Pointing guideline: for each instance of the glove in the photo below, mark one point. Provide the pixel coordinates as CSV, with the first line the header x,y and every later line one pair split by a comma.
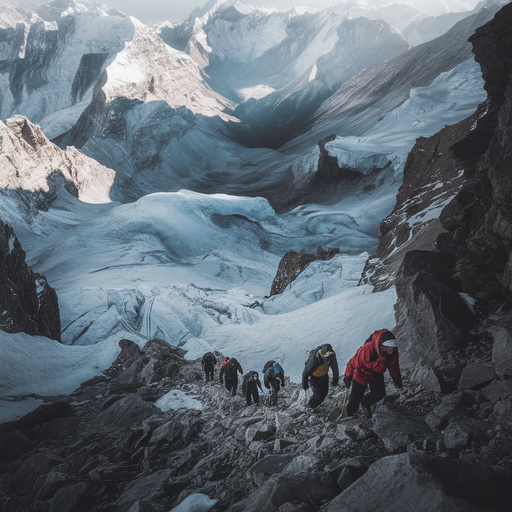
x,y
305,386
347,382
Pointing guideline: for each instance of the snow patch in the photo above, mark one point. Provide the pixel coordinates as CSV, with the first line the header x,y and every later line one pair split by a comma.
x,y
177,399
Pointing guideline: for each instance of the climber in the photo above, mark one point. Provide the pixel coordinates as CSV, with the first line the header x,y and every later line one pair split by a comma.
x,y
208,363
367,367
250,387
230,373
316,373
273,379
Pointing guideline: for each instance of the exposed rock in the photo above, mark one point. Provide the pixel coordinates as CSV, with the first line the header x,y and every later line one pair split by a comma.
x,y
293,263
27,302
421,482
109,445
476,375
434,316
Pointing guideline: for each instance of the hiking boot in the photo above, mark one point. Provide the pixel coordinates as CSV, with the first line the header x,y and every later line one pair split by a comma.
x,y
366,411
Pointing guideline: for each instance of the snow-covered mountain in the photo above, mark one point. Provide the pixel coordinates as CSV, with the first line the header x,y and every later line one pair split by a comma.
x,y
246,51
55,66
36,171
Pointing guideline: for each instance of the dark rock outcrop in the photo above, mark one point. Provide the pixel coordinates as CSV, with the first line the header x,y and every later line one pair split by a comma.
x,y
293,263
27,302
452,272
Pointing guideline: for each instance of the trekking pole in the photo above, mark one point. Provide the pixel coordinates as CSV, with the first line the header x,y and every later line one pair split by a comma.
x,y
344,405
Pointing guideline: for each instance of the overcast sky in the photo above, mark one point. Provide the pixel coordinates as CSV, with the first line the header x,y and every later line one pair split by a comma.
x,y
150,10
161,10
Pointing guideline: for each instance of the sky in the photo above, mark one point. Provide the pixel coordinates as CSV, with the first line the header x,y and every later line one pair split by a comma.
x,y
179,10
151,10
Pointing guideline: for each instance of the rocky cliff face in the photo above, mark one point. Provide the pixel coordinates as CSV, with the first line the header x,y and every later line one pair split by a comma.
x,y
447,244
35,171
293,263
27,302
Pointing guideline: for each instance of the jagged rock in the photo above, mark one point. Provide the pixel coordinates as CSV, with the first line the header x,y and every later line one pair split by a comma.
x,y
293,263
312,488
421,482
450,406
348,472
148,485
396,429
124,412
477,375
14,445
71,498
502,412
460,432
433,317
502,348
262,470
27,302
142,506
498,390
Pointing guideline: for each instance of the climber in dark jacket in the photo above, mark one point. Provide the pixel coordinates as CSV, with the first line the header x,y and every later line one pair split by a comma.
x,y
378,354
316,373
250,387
230,373
273,376
208,362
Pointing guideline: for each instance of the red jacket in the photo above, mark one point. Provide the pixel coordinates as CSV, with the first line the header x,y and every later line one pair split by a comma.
x,y
371,360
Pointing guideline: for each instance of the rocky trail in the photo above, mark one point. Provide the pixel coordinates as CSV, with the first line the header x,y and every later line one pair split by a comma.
x,y
108,446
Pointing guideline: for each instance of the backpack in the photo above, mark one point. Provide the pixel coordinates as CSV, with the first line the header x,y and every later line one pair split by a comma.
x,y
208,357
319,364
268,364
231,368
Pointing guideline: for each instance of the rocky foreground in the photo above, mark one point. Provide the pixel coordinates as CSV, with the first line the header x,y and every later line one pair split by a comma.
x,y
108,447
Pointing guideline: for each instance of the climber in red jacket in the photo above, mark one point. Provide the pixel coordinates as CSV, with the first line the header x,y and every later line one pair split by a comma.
x,y
367,367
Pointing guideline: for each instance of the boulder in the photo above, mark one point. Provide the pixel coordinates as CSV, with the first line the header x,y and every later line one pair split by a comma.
x,y
310,488
422,482
262,470
476,375
396,429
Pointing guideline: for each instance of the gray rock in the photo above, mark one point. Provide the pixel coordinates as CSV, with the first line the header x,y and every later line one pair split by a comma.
x,y
13,445
311,488
396,429
124,413
498,389
147,486
71,498
258,432
449,406
262,470
502,412
476,375
460,432
502,349
420,482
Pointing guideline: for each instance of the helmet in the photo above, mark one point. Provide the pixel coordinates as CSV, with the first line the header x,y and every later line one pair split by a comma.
x,y
329,356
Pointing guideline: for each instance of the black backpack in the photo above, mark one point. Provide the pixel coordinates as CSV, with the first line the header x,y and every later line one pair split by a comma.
x,y
231,368
208,358
268,364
